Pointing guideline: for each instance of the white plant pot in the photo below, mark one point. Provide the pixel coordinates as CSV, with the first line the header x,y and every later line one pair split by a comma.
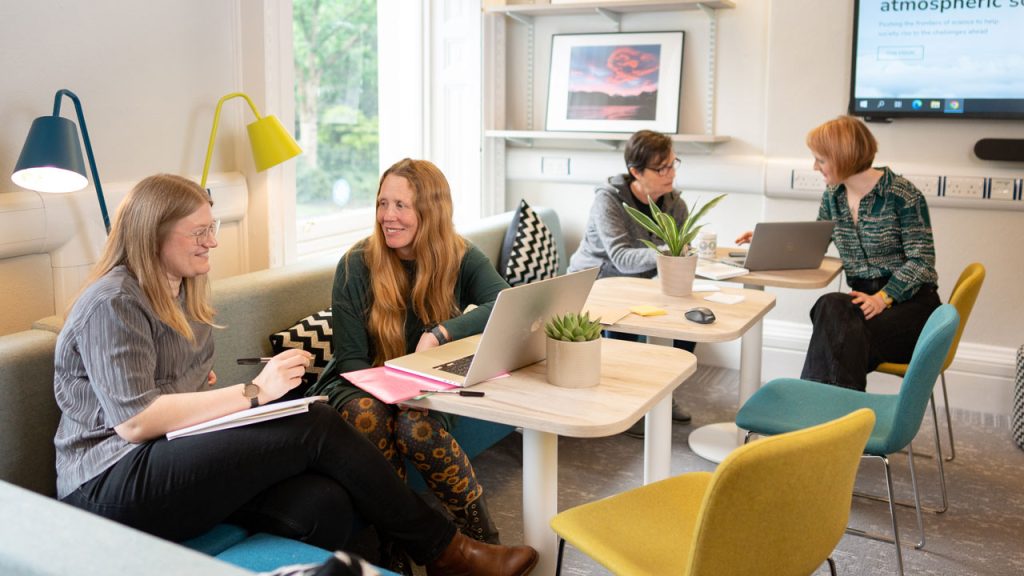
x,y
574,364
676,274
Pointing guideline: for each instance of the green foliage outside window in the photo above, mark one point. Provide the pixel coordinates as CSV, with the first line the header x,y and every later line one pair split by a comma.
x,y
336,116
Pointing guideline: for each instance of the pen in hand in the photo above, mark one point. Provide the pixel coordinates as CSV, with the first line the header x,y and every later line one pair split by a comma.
x,y
244,361
459,392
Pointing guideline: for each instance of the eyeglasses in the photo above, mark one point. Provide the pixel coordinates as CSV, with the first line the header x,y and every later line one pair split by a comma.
x,y
202,234
664,170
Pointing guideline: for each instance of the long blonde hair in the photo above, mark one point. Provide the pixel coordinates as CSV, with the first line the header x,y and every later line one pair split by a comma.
x,y
142,224
438,251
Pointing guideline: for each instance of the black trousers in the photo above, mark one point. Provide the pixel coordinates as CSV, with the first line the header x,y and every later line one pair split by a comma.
x,y
844,346
304,476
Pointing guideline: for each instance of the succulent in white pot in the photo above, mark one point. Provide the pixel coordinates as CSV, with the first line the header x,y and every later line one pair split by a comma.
x,y
573,350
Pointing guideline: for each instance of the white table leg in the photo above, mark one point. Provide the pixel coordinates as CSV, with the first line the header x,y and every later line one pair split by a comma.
x,y
658,433
658,441
715,441
540,496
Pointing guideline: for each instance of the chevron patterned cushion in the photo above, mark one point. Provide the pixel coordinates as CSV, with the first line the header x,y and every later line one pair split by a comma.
x,y
529,251
312,334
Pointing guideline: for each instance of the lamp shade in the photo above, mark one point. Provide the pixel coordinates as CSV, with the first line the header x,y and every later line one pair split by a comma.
x,y
271,143
51,160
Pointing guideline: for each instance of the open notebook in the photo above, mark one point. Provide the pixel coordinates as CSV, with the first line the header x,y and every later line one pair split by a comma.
x,y
250,416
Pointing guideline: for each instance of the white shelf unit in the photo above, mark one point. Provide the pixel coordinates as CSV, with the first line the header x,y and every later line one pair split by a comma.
x,y
497,131
609,139
494,40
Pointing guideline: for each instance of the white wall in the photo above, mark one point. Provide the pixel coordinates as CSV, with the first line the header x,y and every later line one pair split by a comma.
x,y
149,75
783,68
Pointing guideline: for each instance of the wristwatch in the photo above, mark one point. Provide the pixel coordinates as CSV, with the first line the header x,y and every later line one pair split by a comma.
x,y
436,331
886,298
252,392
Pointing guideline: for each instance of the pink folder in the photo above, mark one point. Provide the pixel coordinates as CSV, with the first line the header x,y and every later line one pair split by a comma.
x,y
392,386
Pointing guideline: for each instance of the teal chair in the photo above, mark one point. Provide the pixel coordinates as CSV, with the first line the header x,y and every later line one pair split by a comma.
x,y
788,404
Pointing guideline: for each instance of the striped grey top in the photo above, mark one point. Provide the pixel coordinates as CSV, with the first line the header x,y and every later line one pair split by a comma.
x,y
892,237
114,357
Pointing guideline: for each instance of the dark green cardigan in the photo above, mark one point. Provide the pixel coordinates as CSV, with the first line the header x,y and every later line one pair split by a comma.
x,y
478,283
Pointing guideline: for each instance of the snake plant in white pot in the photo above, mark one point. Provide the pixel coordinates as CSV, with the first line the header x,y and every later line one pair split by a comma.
x,y
677,260
573,350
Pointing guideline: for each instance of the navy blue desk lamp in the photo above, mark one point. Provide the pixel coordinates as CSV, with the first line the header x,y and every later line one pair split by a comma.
x,y
51,160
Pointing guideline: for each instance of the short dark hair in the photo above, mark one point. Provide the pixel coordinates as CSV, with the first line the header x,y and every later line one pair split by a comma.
x,y
646,148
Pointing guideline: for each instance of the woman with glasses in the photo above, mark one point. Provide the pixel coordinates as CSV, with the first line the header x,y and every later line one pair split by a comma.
x,y
133,362
612,240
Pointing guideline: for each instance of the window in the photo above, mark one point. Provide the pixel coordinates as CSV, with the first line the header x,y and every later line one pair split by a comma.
x,y
336,121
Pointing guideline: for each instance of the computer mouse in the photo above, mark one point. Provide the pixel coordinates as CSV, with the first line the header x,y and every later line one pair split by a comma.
x,y
700,315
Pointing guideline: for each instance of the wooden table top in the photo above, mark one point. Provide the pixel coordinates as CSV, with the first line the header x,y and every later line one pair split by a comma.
x,y
807,279
618,294
634,377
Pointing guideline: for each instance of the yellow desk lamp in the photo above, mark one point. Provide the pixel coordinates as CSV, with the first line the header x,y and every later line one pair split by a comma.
x,y
271,143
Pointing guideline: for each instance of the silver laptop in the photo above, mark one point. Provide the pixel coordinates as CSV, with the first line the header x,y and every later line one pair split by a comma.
x,y
513,337
787,245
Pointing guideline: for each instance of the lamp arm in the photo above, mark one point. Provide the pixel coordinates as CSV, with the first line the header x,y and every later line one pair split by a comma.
x,y
216,123
88,149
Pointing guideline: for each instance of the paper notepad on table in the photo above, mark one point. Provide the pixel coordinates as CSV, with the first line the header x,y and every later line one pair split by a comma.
x,y
250,416
719,270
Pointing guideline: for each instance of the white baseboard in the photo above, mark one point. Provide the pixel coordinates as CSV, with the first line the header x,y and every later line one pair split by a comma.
x,y
980,379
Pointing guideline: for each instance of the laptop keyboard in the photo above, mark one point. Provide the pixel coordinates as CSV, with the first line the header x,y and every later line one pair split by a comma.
x,y
459,367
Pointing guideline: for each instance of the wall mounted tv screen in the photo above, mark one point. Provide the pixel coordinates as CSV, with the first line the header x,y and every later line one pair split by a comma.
x,y
938,59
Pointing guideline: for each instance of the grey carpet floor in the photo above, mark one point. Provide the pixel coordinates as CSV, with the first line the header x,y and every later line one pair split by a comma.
x,y
981,534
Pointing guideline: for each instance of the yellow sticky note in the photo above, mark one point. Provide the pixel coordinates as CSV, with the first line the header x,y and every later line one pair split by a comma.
x,y
646,310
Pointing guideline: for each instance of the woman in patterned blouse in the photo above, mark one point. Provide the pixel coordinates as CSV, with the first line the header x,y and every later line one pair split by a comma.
x,y
884,237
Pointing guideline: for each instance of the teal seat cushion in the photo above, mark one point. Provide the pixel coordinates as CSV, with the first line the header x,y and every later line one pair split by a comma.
x,y
217,540
265,552
788,404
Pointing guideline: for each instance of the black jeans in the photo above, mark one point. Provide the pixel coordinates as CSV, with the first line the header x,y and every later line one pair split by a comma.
x,y
302,476
844,346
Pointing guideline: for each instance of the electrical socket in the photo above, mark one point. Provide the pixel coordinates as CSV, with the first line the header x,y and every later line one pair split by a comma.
x,y
554,165
808,180
1001,188
928,185
965,187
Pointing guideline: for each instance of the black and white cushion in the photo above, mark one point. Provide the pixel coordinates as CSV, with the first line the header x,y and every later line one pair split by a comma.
x,y
312,334
529,251
1018,401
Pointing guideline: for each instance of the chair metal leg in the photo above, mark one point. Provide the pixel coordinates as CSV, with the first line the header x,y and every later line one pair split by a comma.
x,y
558,562
949,419
892,514
831,566
917,496
939,459
942,476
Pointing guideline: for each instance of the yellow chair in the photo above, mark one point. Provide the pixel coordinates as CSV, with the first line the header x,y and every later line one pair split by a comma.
x,y
776,506
963,297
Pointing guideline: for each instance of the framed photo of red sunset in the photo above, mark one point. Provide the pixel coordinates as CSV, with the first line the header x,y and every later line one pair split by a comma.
x,y
621,82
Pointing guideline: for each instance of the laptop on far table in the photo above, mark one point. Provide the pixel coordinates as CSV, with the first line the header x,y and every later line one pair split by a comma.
x,y
787,245
513,337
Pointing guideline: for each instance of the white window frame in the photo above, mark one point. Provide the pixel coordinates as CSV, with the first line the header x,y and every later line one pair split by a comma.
x,y
412,100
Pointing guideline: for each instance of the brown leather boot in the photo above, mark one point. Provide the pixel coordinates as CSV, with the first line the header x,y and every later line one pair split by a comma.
x,y
465,556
